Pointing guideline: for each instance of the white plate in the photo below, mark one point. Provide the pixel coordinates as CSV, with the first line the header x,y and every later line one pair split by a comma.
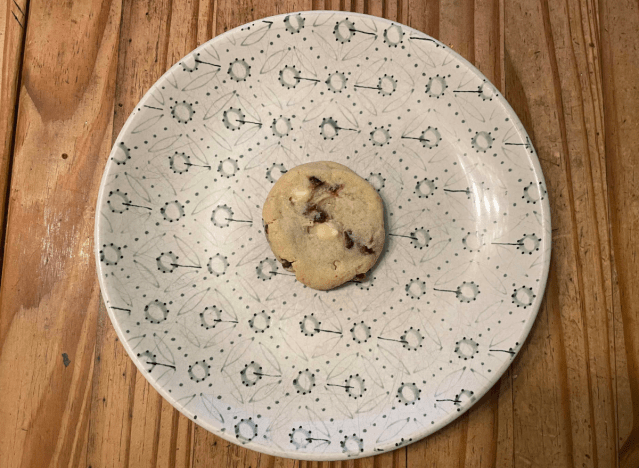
x,y
214,322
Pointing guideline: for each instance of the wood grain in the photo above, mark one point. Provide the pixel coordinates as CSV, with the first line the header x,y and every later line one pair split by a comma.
x,y
13,21
48,296
75,70
619,48
577,310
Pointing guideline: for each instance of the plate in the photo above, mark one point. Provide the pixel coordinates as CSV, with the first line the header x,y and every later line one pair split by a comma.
x,y
221,330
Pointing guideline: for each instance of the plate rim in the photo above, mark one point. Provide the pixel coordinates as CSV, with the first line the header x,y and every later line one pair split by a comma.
x,y
375,449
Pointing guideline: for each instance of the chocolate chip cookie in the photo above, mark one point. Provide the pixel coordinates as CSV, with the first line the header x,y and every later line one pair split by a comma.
x,y
325,224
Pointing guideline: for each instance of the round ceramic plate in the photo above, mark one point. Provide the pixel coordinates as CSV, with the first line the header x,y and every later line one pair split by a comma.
x,y
225,334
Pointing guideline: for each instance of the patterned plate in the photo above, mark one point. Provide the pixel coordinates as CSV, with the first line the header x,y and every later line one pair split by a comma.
x,y
229,337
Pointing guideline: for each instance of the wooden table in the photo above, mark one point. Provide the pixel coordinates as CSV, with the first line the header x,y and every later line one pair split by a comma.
x,y
73,70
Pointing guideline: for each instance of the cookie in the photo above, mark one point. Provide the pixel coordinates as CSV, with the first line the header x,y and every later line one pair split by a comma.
x,y
325,224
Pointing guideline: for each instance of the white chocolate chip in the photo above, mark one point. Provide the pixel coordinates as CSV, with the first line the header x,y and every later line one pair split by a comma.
x,y
325,231
299,195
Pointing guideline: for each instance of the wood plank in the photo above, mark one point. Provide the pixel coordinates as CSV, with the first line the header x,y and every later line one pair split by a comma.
x,y
49,298
542,416
504,452
174,441
374,7
420,14
13,23
558,93
132,425
620,48
488,26
541,419
457,26
112,394
589,179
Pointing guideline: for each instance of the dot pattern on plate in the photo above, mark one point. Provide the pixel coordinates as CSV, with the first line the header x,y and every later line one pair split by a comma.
x,y
225,333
